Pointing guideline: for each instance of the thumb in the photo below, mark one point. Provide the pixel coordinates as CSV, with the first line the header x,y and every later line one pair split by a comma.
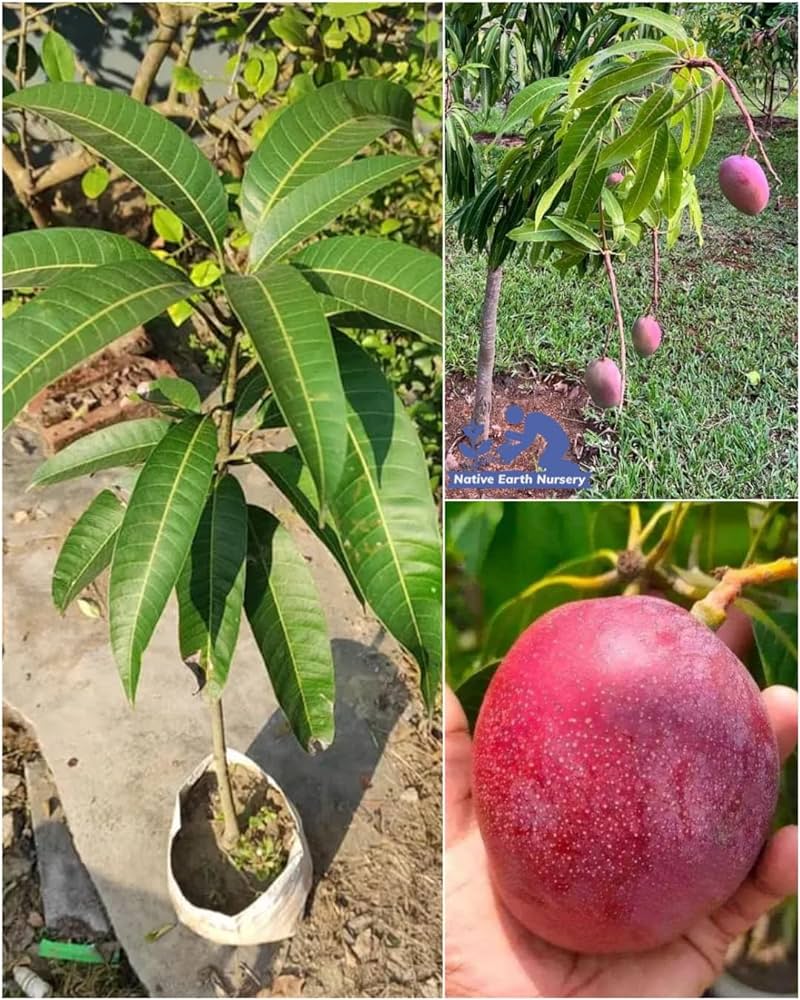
x,y
458,770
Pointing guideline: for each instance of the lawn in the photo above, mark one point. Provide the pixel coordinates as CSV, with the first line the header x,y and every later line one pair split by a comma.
x,y
694,424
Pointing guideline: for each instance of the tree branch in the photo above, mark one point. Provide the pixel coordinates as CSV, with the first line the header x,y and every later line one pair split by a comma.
x,y
169,19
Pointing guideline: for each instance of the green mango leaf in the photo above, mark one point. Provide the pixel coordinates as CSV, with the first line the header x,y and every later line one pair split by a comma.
x,y
173,396
75,318
547,232
775,634
348,9
650,115
292,339
287,472
390,280
673,189
87,549
205,273
187,81
155,537
581,134
704,126
628,46
587,186
128,443
251,389
144,144
210,587
323,130
470,531
289,627
315,204
40,257
533,99
95,181
57,58
627,80
385,516
613,210
648,15
577,231
650,165
545,202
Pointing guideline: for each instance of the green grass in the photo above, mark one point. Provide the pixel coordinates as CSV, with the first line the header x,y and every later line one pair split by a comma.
x,y
693,426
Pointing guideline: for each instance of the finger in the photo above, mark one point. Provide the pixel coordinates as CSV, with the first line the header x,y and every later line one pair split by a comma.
x,y
781,705
458,769
773,878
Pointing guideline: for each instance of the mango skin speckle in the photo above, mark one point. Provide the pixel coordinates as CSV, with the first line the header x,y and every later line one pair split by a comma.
x,y
624,773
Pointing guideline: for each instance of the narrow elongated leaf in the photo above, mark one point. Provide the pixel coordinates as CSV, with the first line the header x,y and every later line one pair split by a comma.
x,y
73,319
292,339
41,257
211,584
704,125
129,443
658,19
57,58
287,472
251,389
310,207
626,80
155,537
532,99
673,188
173,396
142,143
545,202
288,624
581,134
614,211
647,119
527,232
385,515
587,185
87,549
625,47
577,231
649,167
395,282
318,133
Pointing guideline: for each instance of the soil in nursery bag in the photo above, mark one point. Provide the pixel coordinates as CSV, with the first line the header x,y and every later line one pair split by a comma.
x,y
216,879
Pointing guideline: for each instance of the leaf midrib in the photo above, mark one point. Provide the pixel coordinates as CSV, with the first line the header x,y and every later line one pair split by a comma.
x,y
123,139
157,539
304,156
77,330
375,281
298,372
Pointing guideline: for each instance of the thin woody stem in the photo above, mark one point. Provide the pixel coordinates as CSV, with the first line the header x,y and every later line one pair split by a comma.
x,y
707,63
618,314
656,272
712,609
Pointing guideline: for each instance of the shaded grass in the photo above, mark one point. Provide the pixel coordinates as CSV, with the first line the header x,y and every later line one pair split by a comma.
x,y
693,425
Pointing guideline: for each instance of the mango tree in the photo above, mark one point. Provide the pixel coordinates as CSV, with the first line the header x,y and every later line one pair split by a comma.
x,y
356,473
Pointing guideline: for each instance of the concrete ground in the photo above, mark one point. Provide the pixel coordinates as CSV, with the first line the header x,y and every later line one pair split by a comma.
x,y
117,769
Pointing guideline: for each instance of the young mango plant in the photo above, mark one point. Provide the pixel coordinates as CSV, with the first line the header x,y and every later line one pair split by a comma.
x,y
357,474
609,158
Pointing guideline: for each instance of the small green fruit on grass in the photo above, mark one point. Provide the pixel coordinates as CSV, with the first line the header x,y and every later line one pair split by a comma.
x,y
603,382
625,774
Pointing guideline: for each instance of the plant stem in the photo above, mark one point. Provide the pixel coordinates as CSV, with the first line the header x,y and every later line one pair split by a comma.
x,y
228,394
620,325
712,609
231,825
665,543
482,408
656,272
707,63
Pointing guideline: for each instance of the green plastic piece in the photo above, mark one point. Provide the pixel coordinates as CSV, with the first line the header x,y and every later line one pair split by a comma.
x,y
66,951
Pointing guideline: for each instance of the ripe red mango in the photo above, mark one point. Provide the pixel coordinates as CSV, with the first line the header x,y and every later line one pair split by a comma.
x,y
625,774
603,382
744,184
646,335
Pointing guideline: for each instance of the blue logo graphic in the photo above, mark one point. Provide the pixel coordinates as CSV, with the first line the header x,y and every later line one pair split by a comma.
x,y
552,471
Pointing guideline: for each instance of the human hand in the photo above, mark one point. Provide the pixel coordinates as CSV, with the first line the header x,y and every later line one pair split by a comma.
x,y
489,954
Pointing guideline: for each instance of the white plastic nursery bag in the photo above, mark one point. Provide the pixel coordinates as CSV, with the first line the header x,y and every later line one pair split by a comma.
x,y
277,913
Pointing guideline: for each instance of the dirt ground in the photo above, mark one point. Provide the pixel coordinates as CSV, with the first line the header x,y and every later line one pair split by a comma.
x,y
23,914
560,396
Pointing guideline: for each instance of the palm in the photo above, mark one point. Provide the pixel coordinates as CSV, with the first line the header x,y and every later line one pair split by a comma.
x,y
489,954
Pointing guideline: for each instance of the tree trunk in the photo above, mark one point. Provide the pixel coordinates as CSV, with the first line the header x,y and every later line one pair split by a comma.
x,y
231,829
482,410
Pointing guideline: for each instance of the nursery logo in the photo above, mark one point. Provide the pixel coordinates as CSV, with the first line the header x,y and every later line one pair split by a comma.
x,y
552,471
